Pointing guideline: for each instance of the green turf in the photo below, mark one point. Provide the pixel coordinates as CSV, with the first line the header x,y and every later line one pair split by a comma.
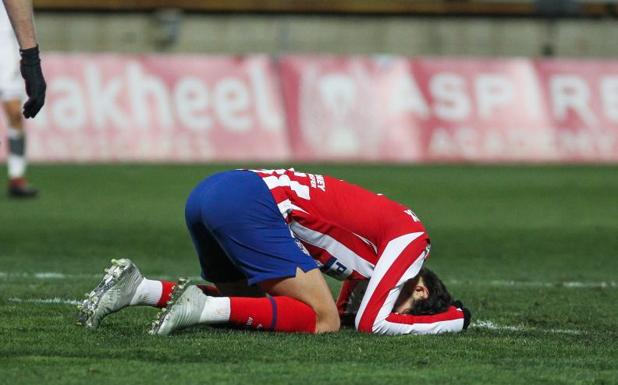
x,y
531,225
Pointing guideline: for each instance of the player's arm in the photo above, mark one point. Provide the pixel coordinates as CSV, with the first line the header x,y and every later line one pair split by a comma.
x,y
400,261
349,299
20,14
452,320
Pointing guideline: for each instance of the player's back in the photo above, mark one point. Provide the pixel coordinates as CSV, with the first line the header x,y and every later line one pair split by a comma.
x,y
325,212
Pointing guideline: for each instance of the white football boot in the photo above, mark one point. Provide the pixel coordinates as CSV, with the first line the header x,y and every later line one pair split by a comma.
x,y
182,310
113,293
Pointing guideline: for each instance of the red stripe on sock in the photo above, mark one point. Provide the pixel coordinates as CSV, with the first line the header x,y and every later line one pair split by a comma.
x,y
282,314
166,294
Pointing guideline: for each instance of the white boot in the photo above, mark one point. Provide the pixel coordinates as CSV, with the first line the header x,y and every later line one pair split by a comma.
x,y
113,293
183,309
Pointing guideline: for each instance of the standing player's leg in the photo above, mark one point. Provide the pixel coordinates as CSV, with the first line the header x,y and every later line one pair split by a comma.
x,y
11,93
16,160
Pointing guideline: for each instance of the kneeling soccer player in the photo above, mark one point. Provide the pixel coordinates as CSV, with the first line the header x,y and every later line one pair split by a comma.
x,y
263,237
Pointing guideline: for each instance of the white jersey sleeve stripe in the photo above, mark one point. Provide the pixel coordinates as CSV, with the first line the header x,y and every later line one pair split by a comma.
x,y
285,207
380,325
387,308
415,267
392,250
344,255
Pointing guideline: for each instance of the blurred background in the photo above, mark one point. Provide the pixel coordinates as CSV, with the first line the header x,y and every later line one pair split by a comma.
x,y
350,80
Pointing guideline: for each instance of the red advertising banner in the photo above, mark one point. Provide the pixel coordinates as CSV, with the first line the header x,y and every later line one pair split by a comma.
x,y
159,108
103,107
478,110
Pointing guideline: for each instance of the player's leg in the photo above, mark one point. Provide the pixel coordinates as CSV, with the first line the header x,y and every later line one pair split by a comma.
x,y
123,285
252,233
16,159
12,93
284,311
311,289
190,306
302,303
261,245
255,237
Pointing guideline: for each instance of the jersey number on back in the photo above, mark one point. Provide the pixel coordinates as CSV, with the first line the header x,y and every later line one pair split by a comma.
x,y
280,178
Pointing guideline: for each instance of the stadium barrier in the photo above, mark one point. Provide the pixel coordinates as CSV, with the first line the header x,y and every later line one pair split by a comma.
x,y
184,108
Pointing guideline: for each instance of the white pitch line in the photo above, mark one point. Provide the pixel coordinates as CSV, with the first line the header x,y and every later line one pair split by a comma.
x,y
564,284
49,275
46,275
46,301
484,324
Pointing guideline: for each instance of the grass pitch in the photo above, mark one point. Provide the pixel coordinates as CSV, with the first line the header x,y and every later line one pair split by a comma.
x,y
533,251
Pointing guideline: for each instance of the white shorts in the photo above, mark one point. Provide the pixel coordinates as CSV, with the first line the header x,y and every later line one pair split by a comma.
x,y
11,82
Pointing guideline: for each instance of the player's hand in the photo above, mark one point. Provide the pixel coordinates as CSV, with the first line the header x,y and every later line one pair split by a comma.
x,y
30,67
466,311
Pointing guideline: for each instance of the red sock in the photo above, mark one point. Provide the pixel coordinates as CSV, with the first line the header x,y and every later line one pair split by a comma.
x,y
210,290
281,314
166,294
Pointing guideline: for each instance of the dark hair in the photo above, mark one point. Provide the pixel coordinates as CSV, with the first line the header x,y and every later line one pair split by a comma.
x,y
439,298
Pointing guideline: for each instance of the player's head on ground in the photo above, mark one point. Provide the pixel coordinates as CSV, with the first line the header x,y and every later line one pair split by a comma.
x,y
423,294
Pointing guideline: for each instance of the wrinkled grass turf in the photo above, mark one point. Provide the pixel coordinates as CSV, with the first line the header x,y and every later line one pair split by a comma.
x,y
526,224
